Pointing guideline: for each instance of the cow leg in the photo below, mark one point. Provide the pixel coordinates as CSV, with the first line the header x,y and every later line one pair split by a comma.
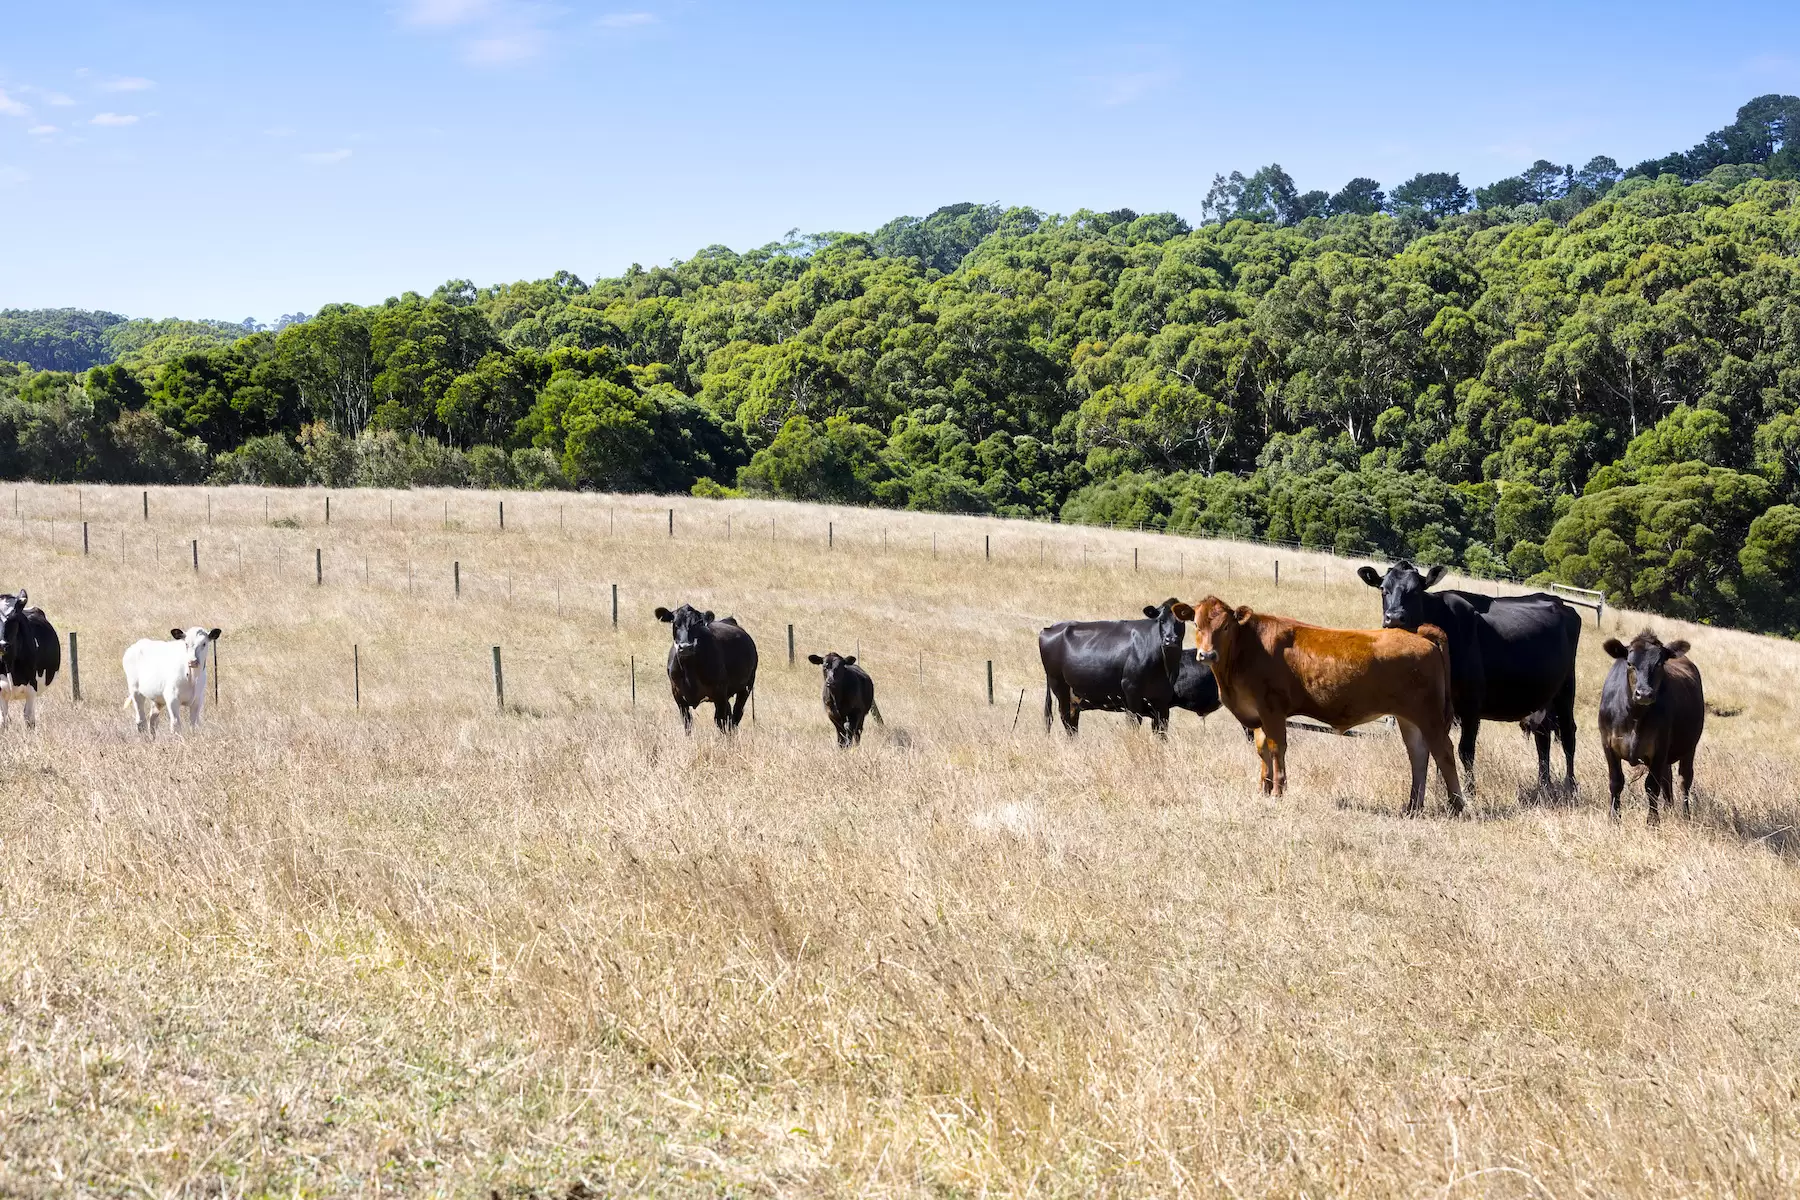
x,y
738,706
1565,730
156,710
5,716
1465,746
1542,738
137,707
1418,750
856,728
31,708
1687,786
687,716
1159,723
1067,708
1271,747
194,707
1656,786
1615,779
1446,763
722,714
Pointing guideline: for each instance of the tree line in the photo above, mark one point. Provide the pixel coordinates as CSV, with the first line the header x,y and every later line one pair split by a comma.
x,y
1589,375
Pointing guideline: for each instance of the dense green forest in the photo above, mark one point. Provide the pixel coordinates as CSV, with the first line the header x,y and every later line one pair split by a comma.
x,y
1584,374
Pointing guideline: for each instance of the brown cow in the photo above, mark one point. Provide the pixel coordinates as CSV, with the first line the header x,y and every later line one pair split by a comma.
x,y
1272,668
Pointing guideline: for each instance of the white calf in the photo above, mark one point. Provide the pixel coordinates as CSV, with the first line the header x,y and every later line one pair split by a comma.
x,y
163,676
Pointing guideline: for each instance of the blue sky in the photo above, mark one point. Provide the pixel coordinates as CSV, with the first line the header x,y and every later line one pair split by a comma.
x,y
233,160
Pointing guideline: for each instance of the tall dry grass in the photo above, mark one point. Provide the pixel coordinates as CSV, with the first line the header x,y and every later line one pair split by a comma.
x,y
427,946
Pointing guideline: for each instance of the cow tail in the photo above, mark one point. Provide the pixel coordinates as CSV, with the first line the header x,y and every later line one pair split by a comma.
x,y
875,711
1441,640
1046,702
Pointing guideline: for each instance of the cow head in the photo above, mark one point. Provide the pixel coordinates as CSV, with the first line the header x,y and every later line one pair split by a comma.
x,y
1644,660
693,628
12,625
832,663
196,640
1170,617
1216,627
1403,591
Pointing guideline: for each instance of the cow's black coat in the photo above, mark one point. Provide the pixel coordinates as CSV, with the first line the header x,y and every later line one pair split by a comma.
x,y
30,651
1652,712
1512,658
1115,666
849,695
710,660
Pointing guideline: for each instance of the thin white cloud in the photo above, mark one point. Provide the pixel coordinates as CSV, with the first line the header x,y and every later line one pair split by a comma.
x,y
504,49
12,108
627,20
114,119
128,83
446,14
491,33
325,158
57,99
43,130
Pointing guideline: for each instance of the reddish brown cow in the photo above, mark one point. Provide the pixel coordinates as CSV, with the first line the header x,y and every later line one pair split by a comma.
x,y
1272,668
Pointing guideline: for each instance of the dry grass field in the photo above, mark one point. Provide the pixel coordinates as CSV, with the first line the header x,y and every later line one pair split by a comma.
x,y
426,946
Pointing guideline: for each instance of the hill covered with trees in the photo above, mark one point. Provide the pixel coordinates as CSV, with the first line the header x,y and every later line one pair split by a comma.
x,y
1590,375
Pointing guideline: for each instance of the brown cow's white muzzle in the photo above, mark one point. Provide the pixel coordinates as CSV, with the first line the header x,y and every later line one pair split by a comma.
x,y
1206,656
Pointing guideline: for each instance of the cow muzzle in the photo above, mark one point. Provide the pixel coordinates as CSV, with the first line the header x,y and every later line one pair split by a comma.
x,y
1206,656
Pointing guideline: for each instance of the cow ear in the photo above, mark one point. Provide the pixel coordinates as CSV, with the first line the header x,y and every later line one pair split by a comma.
x,y
1676,649
1436,573
707,616
1614,647
1183,612
663,614
213,635
850,661
1151,610
815,660
178,634
1369,575
1243,613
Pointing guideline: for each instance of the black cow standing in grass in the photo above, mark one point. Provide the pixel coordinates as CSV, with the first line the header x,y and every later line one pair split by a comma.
x,y
849,695
711,660
1652,712
1512,658
1195,688
30,654
1115,666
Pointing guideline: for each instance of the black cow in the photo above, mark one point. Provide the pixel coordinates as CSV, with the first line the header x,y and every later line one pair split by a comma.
x,y
1195,688
30,654
849,695
710,660
1512,658
1652,711
1115,666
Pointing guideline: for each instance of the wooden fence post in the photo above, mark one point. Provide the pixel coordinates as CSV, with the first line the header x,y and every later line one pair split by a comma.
x,y
146,504
196,545
990,663
1278,572
318,567
328,508
456,576
75,664
503,516
356,673
671,522
84,540
615,606
634,681
499,681
790,645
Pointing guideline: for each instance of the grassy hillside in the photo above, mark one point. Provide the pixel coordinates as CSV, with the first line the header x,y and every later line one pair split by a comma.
x,y
429,946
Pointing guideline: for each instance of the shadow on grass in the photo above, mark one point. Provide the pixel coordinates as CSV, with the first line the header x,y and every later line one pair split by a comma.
x,y
1775,827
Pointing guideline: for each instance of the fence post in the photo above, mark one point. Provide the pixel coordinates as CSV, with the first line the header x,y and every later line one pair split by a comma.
x,y
146,503
196,545
1278,572
671,522
356,672
1134,558
84,542
503,516
318,567
499,681
456,575
790,645
830,535
990,663
634,681
215,672
987,546
615,606
75,664
328,509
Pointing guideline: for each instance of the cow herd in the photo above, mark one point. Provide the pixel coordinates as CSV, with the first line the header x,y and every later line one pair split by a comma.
x,y
1441,660
159,676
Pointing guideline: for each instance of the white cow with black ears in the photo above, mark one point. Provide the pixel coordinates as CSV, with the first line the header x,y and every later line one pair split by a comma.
x,y
163,676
